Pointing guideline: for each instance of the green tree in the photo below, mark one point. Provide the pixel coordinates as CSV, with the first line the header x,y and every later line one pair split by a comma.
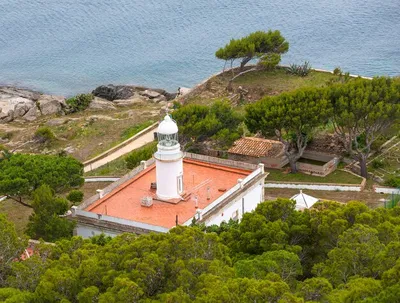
x,y
79,102
292,117
199,123
21,174
266,46
45,222
357,254
75,196
11,247
362,110
315,289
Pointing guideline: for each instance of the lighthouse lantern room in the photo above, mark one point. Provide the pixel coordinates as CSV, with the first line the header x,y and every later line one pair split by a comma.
x,y
169,161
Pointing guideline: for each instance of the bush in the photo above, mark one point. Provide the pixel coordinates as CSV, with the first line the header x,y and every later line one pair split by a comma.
x,y
393,181
75,196
143,153
44,135
299,70
381,163
79,102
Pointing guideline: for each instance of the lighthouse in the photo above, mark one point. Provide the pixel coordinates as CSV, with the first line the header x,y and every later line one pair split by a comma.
x,y
169,161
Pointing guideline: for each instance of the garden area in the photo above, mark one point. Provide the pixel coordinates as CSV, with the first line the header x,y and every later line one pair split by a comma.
x,y
338,176
386,166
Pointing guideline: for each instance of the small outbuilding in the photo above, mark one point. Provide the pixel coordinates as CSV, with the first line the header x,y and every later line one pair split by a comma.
x,y
304,201
258,150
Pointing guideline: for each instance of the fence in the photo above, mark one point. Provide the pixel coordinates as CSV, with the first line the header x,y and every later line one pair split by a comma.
x,y
224,162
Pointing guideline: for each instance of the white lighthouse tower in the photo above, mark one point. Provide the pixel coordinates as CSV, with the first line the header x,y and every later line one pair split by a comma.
x,y
169,163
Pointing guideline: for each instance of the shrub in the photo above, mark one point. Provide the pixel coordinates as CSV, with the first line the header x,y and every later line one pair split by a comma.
x,y
393,181
337,71
299,70
79,102
75,196
143,153
44,135
381,163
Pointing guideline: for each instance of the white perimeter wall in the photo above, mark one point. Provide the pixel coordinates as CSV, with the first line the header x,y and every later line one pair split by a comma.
x,y
90,231
250,200
314,186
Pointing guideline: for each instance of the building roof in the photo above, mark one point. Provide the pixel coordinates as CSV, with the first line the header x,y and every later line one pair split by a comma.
x,y
257,147
303,200
125,201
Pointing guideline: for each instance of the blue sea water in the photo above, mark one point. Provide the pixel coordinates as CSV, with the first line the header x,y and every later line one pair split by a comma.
x,y
72,46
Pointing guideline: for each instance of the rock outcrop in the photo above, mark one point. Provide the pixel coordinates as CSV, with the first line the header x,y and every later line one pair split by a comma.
x,y
122,92
17,103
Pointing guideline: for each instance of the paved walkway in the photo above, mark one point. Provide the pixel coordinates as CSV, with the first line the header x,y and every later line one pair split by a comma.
x,y
137,143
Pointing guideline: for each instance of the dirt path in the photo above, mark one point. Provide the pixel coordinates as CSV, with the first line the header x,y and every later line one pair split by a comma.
x,y
139,142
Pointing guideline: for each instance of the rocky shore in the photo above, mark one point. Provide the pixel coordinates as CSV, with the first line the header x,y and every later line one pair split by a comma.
x,y
24,104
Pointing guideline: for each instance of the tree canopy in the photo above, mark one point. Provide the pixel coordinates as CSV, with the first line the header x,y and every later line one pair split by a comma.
x,y
291,117
45,222
21,174
362,110
332,253
198,123
266,46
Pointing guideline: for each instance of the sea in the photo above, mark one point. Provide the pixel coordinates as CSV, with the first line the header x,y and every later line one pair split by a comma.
x,y
71,46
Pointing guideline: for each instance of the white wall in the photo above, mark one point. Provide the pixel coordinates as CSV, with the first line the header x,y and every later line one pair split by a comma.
x,y
246,202
387,190
314,186
87,232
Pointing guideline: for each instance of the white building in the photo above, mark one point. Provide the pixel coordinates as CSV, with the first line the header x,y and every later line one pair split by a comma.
x,y
171,189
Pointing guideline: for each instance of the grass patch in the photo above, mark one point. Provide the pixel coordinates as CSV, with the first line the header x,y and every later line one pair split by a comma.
x,y
279,80
338,176
16,213
134,129
115,168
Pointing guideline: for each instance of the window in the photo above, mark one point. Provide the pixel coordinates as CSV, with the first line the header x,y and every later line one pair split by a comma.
x,y
180,184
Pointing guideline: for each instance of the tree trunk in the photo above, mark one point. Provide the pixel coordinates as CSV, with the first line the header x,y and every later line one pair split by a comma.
x,y
362,160
20,201
244,62
293,167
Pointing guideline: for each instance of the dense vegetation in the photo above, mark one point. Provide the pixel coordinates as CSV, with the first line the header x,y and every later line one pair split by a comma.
x,y
332,253
360,111
79,102
134,158
201,123
21,174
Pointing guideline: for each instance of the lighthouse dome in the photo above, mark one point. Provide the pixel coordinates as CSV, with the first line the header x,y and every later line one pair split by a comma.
x,y
167,126
167,132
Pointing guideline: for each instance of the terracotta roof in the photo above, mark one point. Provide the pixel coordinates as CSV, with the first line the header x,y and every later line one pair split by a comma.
x,y
257,147
125,201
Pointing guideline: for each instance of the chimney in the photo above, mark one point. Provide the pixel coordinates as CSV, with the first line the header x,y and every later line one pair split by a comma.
x,y
208,193
100,192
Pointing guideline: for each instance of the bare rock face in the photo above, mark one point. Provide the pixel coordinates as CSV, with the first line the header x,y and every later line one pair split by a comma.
x,y
98,103
122,92
50,105
16,103
112,92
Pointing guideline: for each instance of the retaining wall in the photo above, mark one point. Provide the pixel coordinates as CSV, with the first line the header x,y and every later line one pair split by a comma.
x,y
386,190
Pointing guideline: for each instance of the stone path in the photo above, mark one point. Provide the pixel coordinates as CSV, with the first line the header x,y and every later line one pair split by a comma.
x,y
137,143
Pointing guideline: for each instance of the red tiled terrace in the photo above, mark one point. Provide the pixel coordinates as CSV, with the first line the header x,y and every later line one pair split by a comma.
x,y
125,201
